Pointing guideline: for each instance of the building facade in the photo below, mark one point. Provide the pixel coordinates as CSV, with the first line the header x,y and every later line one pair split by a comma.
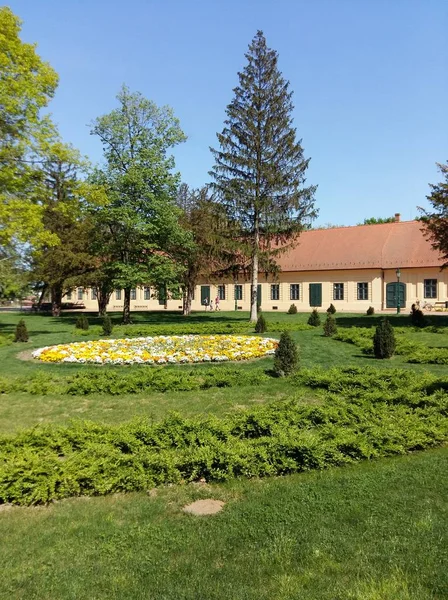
x,y
353,268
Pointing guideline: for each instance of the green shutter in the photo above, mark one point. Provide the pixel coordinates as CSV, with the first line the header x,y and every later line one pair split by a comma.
x,y
392,290
315,294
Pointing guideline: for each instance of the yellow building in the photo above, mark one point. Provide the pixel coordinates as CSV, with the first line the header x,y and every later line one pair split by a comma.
x,y
351,267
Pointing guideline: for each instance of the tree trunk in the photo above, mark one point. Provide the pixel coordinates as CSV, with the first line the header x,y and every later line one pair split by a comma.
x,y
188,297
127,306
103,300
42,295
56,299
254,277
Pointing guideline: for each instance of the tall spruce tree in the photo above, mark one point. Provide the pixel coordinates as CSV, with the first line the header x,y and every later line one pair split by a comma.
x,y
259,171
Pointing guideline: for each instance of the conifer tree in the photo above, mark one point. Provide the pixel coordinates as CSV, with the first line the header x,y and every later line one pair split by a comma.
x,y
259,170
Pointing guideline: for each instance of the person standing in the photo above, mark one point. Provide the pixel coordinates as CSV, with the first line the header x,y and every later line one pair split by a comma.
x,y
217,303
211,305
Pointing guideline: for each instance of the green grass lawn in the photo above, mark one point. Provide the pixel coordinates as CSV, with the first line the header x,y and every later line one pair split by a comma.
x,y
376,531
24,410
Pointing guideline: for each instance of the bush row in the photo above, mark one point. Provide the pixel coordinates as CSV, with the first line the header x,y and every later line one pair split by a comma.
x,y
122,380
235,327
355,420
6,340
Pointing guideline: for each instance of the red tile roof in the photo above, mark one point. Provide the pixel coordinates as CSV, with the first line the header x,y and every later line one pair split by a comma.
x,y
382,246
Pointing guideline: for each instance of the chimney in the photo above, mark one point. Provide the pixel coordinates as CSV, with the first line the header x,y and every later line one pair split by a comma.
x,y
397,217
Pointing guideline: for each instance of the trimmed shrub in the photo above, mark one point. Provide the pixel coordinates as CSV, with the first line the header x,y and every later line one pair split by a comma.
x,y
107,325
82,322
292,310
21,333
286,359
417,317
384,340
330,326
261,325
314,318
331,309
362,415
370,311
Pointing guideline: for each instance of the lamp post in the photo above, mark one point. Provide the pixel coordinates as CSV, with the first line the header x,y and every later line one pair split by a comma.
x,y
398,274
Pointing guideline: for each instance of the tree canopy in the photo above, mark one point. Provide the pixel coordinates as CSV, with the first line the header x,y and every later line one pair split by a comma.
x,y
27,84
259,170
436,219
140,223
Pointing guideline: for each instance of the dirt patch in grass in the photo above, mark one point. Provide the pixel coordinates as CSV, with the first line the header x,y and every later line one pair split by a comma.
x,y
25,355
204,507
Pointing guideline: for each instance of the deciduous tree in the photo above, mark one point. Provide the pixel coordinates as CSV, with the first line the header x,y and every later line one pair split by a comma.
x,y
212,251
27,84
141,219
436,220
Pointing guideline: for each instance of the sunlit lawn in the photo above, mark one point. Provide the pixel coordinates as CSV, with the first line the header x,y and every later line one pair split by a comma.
x,y
376,531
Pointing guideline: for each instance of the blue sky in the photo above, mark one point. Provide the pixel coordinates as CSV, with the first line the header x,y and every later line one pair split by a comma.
x,y
370,81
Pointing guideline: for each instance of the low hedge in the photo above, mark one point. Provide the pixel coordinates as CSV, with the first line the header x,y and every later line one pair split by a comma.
x,y
130,380
363,414
218,328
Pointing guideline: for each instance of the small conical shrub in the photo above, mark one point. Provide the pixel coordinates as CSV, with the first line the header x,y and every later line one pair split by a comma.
x,y
384,340
107,325
331,309
21,333
286,359
370,311
261,326
314,318
330,326
292,310
417,317
82,322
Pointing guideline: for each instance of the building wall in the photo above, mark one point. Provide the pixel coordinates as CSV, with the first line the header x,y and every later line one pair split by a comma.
x,y
376,280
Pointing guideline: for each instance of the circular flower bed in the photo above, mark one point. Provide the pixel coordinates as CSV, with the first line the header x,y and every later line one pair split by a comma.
x,y
160,350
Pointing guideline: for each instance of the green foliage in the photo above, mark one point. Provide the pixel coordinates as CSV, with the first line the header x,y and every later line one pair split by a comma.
x,y
139,228
384,340
330,326
331,309
27,84
260,168
292,310
370,311
210,328
21,333
436,219
82,322
107,327
286,360
314,318
261,325
362,414
6,340
131,381
377,221
417,317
